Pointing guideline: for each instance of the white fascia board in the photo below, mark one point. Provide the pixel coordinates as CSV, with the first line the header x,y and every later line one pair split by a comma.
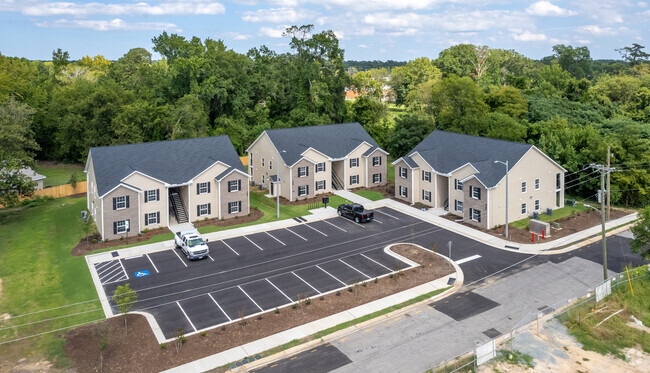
x,y
425,161
458,168
271,141
88,161
376,149
405,162
474,176
319,152
234,170
119,185
352,151
143,174
300,159
202,172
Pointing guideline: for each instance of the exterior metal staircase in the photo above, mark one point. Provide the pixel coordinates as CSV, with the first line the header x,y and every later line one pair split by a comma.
x,y
337,184
178,207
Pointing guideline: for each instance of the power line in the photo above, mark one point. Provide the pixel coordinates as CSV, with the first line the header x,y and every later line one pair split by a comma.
x,y
50,319
580,183
55,308
48,332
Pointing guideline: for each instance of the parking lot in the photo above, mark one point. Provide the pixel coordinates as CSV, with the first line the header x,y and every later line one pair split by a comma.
x,y
258,272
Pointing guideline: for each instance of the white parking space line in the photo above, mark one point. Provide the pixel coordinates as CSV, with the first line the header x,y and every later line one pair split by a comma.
x,y
106,274
256,245
341,260
125,274
106,281
278,289
111,268
309,226
389,270
188,319
210,257
377,221
389,215
283,244
102,265
179,257
331,275
249,297
465,260
215,302
133,257
154,266
296,234
335,226
233,250
308,284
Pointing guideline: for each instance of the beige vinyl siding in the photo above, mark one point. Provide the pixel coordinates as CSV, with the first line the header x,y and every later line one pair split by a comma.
x,y
454,194
226,197
420,184
399,181
442,190
533,165
208,176
264,148
305,180
94,202
130,213
381,169
477,204
360,170
326,176
145,183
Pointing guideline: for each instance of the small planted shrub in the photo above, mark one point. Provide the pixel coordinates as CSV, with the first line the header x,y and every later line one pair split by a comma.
x,y
350,289
277,311
204,333
338,293
308,301
293,306
259,318
321,298
376,280
163,346
94,240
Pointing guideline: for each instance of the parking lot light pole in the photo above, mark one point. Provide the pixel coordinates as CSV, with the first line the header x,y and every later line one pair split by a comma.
x,y
506,163
277,182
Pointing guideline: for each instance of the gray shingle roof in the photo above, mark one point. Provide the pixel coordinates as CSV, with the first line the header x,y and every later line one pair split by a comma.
x,y
173,161
333,140
447,151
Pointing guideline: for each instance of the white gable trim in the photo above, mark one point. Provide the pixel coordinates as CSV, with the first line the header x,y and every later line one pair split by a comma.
x,y
231,171
319,152
300,159
510,168
271,141
376,149
127,186
544,154
202,172
143,174
468,163
474,176
425,161
405,162
353,150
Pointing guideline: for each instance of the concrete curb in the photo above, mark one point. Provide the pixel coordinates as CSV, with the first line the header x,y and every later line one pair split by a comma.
x,y
306,330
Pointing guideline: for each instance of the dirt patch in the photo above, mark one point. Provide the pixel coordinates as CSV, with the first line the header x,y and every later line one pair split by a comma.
x,y
568,225
25,365
388,190
84,247
3,316
138,351
254,215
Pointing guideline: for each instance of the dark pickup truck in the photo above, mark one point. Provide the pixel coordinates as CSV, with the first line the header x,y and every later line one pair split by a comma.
x,y
355,212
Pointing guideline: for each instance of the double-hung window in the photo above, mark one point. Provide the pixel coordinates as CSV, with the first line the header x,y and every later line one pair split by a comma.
x,y
403,173
376,161
426,176
474,192
152,218
376,178
403,191
234,185
524,187
475,215
262,162
354,179
426,195
536,205
120,226
459,206
536,184
120,202
524,209
354,162
203,188
270,164
303,190
458,185
320,185
204,209
234,207
320,167
303,171
151,195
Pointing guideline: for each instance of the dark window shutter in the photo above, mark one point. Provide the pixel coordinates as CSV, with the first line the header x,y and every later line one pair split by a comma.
x,y
157,194
128,221
239,184
158,217
306,170
239,205
229,189
423,194
479,216
146,196
209,208
307,189
209,186
479,193
324,166
146,219
471,192
197,188
229,209
114,226
114,203
198,210
127,202
406,192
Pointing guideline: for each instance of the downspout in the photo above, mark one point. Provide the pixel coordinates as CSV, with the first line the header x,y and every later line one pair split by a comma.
x,y
139,215
412,187
219,198
290,183
435,187
487,208
367,172
101,200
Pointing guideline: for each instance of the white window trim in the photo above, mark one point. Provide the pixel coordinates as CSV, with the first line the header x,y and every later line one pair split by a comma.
x,y
117,203
149,197
425,192
538,184
270,164
262,161
458,185
302,187
378,163
472,215
355,161
236,188
234,210
524,187
319,183
402,188
355,178
118,226
149,217
524,208
374,179
300,174
472,192
457,203
201,213
403,173
428,176
319,168
203,188
537,205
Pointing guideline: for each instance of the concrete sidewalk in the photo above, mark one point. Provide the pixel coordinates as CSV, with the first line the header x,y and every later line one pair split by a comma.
x,y
352,197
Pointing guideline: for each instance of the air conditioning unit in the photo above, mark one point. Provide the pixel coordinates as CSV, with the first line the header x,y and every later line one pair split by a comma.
x,y
536,215
549,212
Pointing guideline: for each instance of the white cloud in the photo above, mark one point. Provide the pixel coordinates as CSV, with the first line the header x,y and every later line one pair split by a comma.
x,y
389,20
339,34
546,8
273,32
278,15
235,36
583,41
529,36
186,7
642,4
596,30
109,25
362,46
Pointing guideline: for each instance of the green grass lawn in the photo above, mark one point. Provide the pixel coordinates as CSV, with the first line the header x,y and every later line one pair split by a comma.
x,y
59,174
557,214
38,273
373,196
391,170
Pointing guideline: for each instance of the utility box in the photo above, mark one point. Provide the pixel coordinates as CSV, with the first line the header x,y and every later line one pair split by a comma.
x,y
549,212
326,200
540,228
535,215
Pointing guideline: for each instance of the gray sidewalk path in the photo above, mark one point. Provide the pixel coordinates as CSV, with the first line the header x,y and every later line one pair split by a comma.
x,y
352,197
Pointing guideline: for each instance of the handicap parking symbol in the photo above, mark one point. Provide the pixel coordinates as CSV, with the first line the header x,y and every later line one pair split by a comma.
x,y
141,273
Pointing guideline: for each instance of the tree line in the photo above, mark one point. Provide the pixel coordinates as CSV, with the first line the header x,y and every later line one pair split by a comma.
x,y
569,106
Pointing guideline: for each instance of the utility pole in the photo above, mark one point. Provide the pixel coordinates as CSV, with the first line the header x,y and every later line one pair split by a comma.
x,y
604,193
609,196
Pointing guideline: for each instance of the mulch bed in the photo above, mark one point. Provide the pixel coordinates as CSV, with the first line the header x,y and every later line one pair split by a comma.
x,y
138,350
568,225
254,215
319,198
388,190
83,248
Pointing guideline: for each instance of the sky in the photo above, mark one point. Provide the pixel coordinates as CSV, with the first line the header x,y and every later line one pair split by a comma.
x,y
398,30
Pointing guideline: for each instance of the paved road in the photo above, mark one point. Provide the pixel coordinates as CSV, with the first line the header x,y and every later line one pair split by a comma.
x,y
484,309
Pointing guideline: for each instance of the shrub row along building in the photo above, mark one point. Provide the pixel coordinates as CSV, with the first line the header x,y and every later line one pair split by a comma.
x,y
136,187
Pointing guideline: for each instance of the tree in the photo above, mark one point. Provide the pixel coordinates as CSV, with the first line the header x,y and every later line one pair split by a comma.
x,y
480,61
458,105
456,60
409,130
17,147
190,119
508,100
577,61
88,227
405,78
124,298
102,336
634,54
641,231
60,60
